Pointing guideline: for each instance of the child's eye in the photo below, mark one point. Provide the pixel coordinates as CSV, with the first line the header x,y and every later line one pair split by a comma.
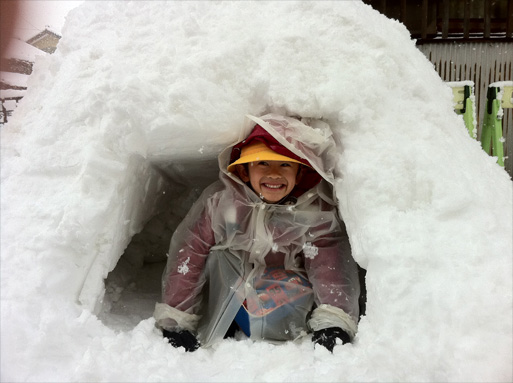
x,y
264,163
285,164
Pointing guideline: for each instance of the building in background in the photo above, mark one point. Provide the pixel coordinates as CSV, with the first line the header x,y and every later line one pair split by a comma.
x,y
17,66
46,41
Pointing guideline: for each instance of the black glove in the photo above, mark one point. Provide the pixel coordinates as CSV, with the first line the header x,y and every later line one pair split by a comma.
x,y
182,338
327,337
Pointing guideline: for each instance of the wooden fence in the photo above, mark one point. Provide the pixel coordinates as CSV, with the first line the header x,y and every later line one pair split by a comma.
x,y
462,20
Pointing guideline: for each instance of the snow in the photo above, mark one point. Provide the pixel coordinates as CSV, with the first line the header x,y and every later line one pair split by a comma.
x,y
310,250
14,79
8,93
460,83
501,84
23,51
119,132
183,268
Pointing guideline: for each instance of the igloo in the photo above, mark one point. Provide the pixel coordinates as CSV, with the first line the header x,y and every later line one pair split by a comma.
x,y
120,130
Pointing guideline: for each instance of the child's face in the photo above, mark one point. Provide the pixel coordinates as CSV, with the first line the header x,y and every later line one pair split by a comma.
x,y
272,180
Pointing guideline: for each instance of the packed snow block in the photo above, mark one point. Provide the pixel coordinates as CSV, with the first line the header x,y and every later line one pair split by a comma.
x,y
130,193
139,99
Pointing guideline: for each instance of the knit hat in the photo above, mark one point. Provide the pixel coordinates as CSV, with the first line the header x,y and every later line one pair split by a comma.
x,y
258,151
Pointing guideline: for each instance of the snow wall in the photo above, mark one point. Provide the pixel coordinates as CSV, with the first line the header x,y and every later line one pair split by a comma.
x,y
125,122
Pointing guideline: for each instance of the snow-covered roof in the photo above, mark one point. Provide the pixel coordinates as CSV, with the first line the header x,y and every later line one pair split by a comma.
x,y
42,35
21,50
12,93
15,79
10,105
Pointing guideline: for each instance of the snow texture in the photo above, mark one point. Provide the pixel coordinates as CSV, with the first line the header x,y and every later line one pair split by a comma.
x,y
310,250
119,132
183,268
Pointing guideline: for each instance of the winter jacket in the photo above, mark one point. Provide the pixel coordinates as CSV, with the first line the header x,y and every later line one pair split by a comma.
x,y
233,248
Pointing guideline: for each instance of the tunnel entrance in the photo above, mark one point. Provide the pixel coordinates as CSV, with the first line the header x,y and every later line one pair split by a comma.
x,y
134,286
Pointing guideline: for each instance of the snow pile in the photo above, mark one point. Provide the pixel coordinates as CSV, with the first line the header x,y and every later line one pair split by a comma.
x,y
120,129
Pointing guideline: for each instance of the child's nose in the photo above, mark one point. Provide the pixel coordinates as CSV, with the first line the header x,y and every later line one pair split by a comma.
x,y
274,171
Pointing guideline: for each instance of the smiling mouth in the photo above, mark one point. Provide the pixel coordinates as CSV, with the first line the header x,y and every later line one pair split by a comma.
x,y
274,187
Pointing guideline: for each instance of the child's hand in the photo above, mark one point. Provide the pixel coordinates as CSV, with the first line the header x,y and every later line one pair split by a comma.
x,y
327,337
182,338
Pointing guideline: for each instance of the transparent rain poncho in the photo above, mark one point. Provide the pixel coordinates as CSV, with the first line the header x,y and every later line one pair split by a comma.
x,y
288,264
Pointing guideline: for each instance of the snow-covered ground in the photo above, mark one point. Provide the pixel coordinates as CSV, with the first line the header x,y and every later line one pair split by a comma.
x,y
119,131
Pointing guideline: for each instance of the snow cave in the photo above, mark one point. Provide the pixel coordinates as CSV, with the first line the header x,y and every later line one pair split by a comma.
x,y
119,133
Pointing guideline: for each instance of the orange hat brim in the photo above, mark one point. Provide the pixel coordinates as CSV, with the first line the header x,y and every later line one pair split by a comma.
x,y
258,151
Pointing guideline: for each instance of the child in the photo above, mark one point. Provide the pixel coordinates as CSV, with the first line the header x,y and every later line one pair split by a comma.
x,y
263,247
